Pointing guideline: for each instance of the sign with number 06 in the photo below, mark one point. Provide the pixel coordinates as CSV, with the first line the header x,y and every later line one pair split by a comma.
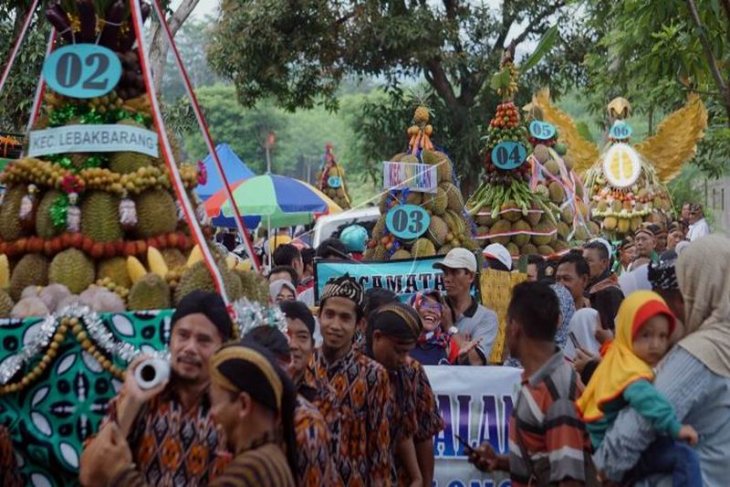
x,y
407,221
620,130
509,155
82,70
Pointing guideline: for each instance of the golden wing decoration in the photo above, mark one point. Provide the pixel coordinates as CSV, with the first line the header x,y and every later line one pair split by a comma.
x,y
583,152
675,141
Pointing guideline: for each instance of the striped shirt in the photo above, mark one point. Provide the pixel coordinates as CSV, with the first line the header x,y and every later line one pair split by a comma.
x,y
546,424
264,466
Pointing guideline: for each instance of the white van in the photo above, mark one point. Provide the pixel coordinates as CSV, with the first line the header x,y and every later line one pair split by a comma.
x,y
328,225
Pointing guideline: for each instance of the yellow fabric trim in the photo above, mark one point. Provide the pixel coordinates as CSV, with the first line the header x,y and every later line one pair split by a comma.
x,y
249,355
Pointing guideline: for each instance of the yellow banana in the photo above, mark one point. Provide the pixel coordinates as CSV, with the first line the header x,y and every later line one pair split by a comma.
x,y
156,262
4,271
196,255
135,269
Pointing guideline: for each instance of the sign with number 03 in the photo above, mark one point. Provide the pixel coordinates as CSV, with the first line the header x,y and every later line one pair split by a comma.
x,y
508,155
542,130
82,70
407,221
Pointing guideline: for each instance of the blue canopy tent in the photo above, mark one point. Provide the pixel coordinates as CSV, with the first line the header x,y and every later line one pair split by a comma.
x,y
235,170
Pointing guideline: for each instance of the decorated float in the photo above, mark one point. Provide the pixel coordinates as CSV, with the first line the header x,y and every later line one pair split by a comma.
x,y
626,184
331,179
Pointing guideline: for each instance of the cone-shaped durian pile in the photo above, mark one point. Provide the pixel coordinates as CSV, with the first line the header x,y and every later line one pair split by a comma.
x,y
506,209
449,226
331,180
100,219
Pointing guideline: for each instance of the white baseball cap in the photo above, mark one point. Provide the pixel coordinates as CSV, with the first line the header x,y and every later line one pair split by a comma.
x,y
458,258
498,252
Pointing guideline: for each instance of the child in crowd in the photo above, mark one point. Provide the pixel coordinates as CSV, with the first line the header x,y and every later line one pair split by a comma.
x,y
624,378
435,346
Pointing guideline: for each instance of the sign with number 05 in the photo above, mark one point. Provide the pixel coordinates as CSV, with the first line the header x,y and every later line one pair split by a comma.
x,y
509,155
542,130
407,221
82,70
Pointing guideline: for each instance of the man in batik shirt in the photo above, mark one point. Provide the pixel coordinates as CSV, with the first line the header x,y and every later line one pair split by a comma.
x,y
360,409
169,429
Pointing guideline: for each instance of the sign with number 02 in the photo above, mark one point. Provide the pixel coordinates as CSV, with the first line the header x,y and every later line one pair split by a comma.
x,y
542,130
509,155
82,70
407,222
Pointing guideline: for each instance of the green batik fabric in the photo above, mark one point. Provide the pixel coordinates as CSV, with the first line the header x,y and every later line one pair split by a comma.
x,y
50,419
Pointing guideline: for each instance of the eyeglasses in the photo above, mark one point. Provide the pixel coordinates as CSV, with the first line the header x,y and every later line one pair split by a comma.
x,y
431,306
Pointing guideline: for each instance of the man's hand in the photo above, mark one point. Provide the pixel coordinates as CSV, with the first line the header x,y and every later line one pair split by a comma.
x,y
689,434
105,457
581,359
485,458
131,390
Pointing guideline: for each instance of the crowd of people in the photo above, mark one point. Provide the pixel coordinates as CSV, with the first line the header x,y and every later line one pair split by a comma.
x,y
625,355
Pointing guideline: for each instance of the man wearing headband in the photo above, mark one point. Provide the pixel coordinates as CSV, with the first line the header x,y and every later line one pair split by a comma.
x,y
391,335
603,291
253,406
626,254
698,226
174,416
359,411
645,244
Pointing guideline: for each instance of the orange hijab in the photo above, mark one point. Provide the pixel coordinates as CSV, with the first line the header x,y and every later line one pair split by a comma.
x,y
620,367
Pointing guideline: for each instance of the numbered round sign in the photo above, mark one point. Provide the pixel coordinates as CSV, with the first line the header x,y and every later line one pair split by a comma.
x,y
542,130
334,182
509,155
407,221
82,70
620,130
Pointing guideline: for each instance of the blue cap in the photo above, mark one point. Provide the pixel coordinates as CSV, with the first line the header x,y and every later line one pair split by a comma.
x,y
354,237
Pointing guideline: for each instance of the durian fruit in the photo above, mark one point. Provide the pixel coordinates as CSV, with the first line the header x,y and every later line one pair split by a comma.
x,y
150,292
129,162
560,246
512,249
436,202
414,198
534,216
383,204
253,286
557,193
44,226
567,214
4,272
437,231
593,228
10,228
512,211
545,250
379,253
453,195
581,234
541,153
400,254
610,223
156,213
552,167
423,247
624,225
528,249
173,258
635,223
115,269
523,238
100,217
6,304
563,230
539,240
31,270
444,250
198,277
73,269
500,226
484,218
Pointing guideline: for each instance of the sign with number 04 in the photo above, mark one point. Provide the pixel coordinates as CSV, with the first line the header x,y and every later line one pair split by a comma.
x,y
407,221
509,155
82,70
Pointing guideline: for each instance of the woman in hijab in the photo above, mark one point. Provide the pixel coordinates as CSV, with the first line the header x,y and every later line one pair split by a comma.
x,y
567,310
282,290
434,346
694,376
583,329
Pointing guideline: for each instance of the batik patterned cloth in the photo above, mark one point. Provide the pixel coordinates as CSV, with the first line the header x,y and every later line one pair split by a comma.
x,y
172,446
315,466
358,416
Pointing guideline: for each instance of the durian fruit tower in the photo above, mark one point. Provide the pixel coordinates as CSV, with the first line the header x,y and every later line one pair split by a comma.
x,y
87,219
553,177
624,188
505,209
331,179
450,225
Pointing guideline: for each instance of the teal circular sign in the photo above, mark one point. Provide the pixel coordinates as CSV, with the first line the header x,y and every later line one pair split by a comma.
x,y
407,222
542,130
620,130
82,70
334,182
509,155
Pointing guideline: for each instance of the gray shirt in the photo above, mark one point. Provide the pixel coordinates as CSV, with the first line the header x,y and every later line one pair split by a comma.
x,y
478,322
700,398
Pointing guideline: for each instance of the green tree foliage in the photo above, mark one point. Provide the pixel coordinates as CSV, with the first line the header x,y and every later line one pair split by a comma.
x,y
299,52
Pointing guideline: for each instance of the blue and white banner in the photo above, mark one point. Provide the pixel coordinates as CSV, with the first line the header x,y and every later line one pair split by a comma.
x,y
476,404
404,277
92,138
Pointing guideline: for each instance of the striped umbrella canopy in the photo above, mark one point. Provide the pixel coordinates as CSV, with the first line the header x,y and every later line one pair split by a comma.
x,y
278,200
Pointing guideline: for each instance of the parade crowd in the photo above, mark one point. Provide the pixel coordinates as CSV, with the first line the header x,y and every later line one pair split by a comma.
x,y
626,375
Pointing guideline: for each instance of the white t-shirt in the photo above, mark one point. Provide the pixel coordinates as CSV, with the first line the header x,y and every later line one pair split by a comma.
x,y
698,229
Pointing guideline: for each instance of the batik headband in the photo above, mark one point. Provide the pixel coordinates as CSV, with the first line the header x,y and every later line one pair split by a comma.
x,y
344,287
245,357
663,275
410,319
